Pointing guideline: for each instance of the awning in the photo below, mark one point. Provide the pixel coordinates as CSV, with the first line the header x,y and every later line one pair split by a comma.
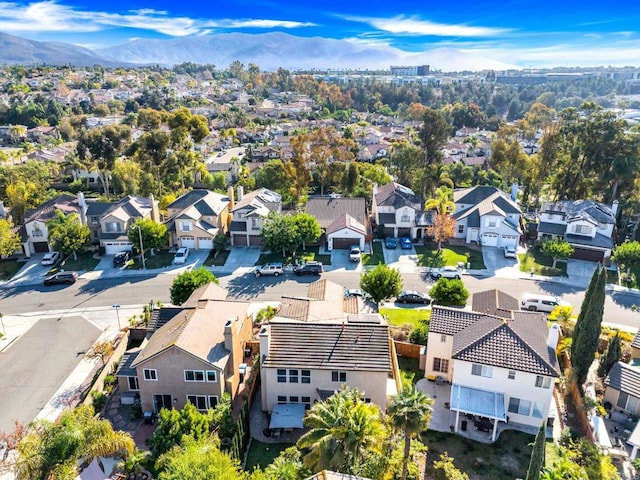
x,y
600,431
478,402
287,415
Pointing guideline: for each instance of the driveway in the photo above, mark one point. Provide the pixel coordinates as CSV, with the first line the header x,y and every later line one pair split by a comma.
x,y
33,272
499,266
406,261
340,261
580,270
243,258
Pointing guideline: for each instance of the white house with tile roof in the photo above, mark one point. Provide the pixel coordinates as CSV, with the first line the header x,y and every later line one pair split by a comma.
x,y
248,214
400,212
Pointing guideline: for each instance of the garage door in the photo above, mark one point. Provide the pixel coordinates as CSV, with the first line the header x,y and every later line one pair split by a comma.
x,y
586,254
490,239
189,242
205,243
509,241
388,231
40,247
255,241
111,248
239,240
344,243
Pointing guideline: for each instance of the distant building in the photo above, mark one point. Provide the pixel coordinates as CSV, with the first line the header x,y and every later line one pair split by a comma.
x,y
410,71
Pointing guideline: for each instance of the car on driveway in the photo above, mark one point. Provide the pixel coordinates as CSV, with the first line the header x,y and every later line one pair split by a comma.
x,y
61,277
51,258
309,268
390,242
121,258
181,255
354,253
510,252
445,272
274,269
356,292
411,296
406,243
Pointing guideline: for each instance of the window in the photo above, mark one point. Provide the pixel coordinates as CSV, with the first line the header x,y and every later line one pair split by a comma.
x,y
282,399
441,365
213,401
481,370
519,406
294,399
582,229
133,383
460,228
95,220
627,402
194,376
92,180
338,376
255,223
492,223
443,338
212,376
306,376
307,402
282,375
511,375
185,226
543,382
293,376
150,374
198,401
538,408
113,227
404,218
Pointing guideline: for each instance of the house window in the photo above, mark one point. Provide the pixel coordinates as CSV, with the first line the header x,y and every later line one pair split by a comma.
x,y
511,375
481,370
213,401
212,376
194,376
582,229
306,376
133,383
150,374
282,375
113,227
519,406
198,401
282,399
441,365
92,180
543,382
307,402
443,338
294,399
492,223
538,409
95,220
255,223
404,218
460,228
293,376
185,226
627,402
338,376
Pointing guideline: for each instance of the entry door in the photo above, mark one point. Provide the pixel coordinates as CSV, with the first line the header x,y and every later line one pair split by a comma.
x,y
162,401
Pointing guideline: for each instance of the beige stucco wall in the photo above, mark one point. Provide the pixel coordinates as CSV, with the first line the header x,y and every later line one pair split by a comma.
x,y
438,349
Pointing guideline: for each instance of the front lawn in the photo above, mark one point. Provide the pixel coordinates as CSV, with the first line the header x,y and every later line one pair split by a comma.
x,y
8,268
308,255
263,454
428,256
410,371
161,258
402,316
84,263
541,263
375,257
217,259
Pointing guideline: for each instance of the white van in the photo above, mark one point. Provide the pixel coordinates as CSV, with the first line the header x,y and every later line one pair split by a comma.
x,y
541,303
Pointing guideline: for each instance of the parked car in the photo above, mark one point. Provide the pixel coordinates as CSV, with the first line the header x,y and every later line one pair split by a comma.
x,y
446,272
274,269
356,292
541,303
354,253
181,255
390,242
510,252
406,243
121,258
61,277
411,296
51,258
309,268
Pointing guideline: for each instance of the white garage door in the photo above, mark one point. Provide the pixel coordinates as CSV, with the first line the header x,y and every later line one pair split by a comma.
x,y
509,241
490,239
189,242
111,248
205,243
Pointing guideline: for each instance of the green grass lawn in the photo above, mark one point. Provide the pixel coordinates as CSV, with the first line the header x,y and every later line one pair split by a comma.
x,y
410,371
508,457
8,268
541,263
375,257
308,255
162,258
217,260
263,454
402,316
84,262
449,256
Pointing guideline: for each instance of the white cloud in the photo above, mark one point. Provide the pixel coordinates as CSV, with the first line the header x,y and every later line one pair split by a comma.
x,y
414,26
251,23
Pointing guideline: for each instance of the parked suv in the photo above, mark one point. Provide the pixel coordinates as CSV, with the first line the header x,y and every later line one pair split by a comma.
x,y
309,268
121,258
354,253
51,258
61,277
181,255
274,269
541,303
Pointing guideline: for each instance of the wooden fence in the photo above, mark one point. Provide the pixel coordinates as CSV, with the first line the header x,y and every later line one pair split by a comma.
x,y
409,350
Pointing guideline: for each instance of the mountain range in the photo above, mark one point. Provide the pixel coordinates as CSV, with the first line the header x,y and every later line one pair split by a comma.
x,y
267,50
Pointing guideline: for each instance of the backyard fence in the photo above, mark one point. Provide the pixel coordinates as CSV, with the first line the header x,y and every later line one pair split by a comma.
x,y
409,350
240,440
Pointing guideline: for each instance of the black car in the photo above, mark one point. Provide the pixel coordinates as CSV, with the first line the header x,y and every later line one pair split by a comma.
x,y
414,297
121,258
61,277
309,268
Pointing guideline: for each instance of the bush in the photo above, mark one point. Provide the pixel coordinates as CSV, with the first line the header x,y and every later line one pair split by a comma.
x,y
419,333
99,400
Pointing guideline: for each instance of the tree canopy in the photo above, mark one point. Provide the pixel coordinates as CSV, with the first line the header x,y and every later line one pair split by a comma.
x,y
382,283
449,292
187,282
66,233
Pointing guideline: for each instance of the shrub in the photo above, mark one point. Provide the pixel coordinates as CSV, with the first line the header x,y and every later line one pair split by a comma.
x,y
99,400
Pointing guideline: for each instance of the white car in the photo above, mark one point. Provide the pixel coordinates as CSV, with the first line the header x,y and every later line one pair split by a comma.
x,y
181,255
51,258
446,272
510,252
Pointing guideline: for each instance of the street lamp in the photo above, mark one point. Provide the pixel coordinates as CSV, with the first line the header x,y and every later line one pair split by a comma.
x,y
116,306
144,265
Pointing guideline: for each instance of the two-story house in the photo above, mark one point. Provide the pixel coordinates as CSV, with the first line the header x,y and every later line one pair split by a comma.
x,y
486,215
342,220
197,217
110,221
400,212
194,357
500,361
586,224
248,214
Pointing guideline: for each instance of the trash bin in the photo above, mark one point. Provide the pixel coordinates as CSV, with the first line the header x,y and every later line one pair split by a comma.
x,y
463,425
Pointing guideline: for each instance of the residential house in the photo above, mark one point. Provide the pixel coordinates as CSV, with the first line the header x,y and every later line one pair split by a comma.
x,y
197,217
263,154
399,212
194,357
586,224
486,215
110,221
501,361
343,220
42,133
34,233
248,215
622,387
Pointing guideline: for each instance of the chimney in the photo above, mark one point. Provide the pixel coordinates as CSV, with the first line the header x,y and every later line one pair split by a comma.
x,y
155,214
514,191
554,336
228,335
614,207
231,199
240,192
375,188
82,204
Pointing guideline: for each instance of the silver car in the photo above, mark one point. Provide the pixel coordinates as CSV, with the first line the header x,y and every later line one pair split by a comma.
x,y
445,272
274,269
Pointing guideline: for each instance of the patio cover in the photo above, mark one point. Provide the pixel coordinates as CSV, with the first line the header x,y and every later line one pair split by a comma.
x,y
287,415
478,402
93,472
600,431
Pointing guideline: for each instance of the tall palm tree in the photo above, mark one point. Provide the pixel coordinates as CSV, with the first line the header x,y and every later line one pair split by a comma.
x,y
343,429
410,412
442,201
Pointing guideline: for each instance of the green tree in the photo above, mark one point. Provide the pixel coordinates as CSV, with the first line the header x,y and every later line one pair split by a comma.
x,y
101,350
66,233
404,163
628,255
446,470
187,282
308,228
287,466
558,249
434,134
343,430
9,240
537,455
449,292
382,283
442,201
272,175
55,450
154,234
410,413
280,233
21,195
613,355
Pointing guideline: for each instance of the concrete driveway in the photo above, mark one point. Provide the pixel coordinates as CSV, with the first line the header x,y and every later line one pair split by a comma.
x,y
33,272
340,261
242,258
580,270
404,260
499,266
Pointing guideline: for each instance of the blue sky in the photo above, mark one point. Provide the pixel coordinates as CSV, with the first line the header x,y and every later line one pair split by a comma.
x,y
525,33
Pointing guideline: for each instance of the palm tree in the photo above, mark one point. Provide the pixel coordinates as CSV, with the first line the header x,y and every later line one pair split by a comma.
x,y
410,412
343,429
442,201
